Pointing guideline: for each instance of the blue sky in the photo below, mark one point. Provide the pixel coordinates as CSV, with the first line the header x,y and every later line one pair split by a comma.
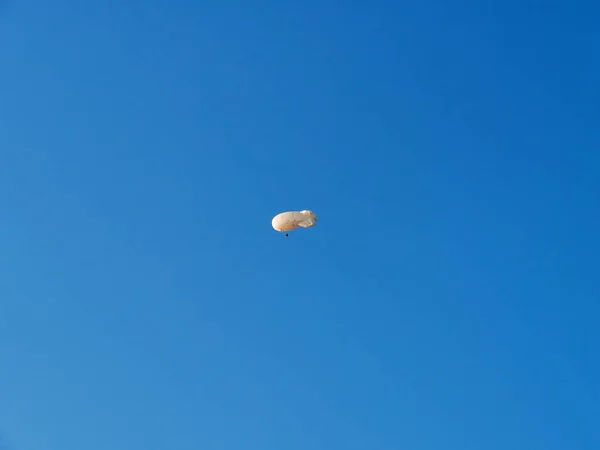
x,y
447,299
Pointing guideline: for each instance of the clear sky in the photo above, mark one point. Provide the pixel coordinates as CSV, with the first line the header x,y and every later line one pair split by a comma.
x,y
447,299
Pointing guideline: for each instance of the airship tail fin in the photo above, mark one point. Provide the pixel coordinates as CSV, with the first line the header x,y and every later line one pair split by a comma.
x,y
307,223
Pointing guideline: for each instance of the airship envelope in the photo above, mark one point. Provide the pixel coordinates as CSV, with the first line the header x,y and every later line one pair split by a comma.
x,y
290,220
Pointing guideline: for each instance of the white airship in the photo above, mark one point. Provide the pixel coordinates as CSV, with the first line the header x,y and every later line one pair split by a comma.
x,y
290,220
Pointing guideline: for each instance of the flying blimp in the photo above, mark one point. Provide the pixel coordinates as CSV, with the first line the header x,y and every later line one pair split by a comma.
x,y
290,220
